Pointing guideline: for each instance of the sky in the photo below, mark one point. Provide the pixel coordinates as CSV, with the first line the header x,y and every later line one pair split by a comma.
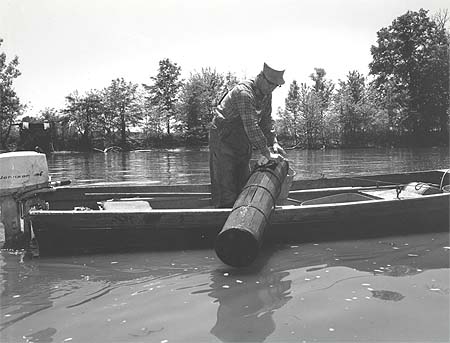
x,y
68,45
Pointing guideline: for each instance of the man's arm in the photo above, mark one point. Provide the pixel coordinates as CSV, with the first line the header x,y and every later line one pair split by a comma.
x,y
247,111
267,125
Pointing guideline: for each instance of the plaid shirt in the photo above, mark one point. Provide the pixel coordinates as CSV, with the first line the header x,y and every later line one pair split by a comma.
x,y
255,111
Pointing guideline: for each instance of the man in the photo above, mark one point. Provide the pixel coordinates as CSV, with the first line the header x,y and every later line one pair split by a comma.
x,y
242,120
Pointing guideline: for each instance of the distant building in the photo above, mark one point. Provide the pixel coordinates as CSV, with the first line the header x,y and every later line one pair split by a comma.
x,y
36,135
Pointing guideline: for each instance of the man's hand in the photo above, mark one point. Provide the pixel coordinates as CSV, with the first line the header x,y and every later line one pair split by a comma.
x,y
274,156
279,150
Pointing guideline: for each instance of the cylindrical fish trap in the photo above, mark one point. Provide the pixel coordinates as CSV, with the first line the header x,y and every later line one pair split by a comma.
x,y
239,241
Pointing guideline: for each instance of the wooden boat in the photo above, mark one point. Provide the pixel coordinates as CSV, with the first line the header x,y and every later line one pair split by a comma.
x,y
113,216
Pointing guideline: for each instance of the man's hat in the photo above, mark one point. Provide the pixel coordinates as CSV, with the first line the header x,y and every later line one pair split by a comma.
x,y
274,76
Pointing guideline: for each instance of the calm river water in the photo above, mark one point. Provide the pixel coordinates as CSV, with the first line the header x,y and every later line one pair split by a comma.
x,y
385,289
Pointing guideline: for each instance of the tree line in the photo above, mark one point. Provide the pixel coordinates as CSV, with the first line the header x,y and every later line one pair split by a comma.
x,y
403,101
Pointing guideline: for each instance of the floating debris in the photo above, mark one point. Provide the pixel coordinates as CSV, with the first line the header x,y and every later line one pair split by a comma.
x,y
447,248
401,270
225,286
68,339
413,255
331,329
239,281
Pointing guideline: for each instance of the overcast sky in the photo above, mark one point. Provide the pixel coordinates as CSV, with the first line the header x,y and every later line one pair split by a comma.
x,y
68,45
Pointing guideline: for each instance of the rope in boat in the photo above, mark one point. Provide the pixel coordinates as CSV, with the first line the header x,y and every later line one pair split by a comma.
x,y
441,184
399,186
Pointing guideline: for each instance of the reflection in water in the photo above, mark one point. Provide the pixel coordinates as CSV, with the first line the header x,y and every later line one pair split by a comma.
x,y
297,293
247,303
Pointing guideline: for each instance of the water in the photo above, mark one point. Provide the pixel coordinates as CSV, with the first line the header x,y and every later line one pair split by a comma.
x,y
191,166
384,289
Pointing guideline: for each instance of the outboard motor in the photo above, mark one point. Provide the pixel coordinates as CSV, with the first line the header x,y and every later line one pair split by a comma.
x,y
20,172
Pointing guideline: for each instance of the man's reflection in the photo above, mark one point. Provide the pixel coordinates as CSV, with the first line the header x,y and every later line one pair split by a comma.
x,y
246,304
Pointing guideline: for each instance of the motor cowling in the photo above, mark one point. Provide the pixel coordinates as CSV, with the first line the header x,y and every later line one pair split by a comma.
x,y
20,172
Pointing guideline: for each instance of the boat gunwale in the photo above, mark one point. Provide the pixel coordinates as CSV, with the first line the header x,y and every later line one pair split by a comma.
x,y
180,211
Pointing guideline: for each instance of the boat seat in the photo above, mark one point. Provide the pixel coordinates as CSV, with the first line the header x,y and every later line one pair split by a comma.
x,y
337,198
125,205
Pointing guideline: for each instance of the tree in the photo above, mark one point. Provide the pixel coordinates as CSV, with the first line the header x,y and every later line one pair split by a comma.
x,y
304,117
356,113
82,112
311,112
164,92
412,56
10,105
291,116
200,94
123,105
323,89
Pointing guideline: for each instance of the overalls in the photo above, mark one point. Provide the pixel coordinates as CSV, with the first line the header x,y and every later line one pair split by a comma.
x,y
230,153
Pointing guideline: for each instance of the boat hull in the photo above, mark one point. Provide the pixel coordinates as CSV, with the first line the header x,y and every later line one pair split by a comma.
x,y
60,230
